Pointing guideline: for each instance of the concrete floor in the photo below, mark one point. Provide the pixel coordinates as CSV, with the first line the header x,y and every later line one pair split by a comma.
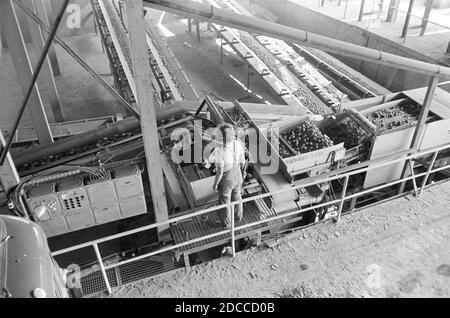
x,y
433,44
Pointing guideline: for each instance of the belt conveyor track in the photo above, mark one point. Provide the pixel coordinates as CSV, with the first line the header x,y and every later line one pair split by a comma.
x,y
330,93
344,83
168,89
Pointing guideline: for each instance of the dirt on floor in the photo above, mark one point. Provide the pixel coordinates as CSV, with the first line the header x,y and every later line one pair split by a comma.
x,y
396,249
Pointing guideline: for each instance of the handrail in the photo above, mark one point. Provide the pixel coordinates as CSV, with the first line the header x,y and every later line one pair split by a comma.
x,y
435,151
312,181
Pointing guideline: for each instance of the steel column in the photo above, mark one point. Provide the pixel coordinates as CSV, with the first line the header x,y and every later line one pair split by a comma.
x,y
45,12
392,11
46,75
408,18
78,59
146,101
254,25
197,25
361,10
426,15
22,64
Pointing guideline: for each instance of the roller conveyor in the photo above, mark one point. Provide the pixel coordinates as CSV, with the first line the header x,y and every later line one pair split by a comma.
x,y
248,56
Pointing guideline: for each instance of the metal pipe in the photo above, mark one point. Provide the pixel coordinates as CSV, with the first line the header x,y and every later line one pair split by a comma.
x,y
102,268
425,179
344,191
80,61
233,234
38,67
224,17
407,19
411,167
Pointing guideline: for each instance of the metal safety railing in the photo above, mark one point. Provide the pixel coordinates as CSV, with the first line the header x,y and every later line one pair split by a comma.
x,y
345,173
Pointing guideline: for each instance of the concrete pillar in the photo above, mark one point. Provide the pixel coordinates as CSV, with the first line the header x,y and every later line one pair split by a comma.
x,y
24,70
46,74
407,20
147,104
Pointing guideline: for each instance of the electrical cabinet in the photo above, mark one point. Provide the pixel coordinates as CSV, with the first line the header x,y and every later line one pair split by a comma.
x,y
79,202
46,209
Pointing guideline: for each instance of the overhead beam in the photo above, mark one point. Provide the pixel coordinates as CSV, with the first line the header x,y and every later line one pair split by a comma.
x,y
214,15
24,70
147,103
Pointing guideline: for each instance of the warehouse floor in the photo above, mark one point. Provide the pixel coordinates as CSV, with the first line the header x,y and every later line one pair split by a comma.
x,y
396,249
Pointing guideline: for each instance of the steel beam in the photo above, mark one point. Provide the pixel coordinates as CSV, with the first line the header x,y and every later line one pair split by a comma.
x,y
24,70
146,101
42,12
423,115
214,15
361,10
46,75
407,19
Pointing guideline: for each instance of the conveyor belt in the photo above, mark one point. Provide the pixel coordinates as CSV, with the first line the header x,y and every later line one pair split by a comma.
x,y
195,228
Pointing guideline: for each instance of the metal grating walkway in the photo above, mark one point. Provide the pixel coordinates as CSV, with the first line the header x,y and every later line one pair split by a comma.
x,y
194,228
93,283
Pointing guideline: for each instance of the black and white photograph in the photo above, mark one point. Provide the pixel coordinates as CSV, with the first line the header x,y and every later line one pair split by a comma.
x,y
224,156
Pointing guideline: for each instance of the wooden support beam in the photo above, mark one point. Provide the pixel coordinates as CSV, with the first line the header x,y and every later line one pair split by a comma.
x,y
146,100
19,54
46,74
